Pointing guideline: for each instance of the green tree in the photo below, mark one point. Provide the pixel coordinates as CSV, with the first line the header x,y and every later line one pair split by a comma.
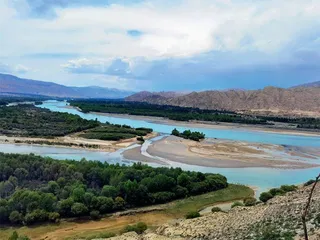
x,y
15,217
79,209
109,191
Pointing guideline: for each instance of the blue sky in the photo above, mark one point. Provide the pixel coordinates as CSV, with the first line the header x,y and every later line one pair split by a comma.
x,y
162,45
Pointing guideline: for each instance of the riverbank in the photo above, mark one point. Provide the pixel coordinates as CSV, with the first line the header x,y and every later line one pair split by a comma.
x,y
279,129
153,216
225,154
75,142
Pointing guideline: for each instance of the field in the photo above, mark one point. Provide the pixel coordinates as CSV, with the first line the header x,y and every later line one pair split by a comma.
x,y
114,223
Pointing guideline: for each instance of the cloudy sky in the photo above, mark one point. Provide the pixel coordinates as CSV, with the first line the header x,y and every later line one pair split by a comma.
x,y
162,44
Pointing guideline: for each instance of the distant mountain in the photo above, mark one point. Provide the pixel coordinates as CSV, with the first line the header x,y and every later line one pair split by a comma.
x,y
145,96
312,84
270,100
13,85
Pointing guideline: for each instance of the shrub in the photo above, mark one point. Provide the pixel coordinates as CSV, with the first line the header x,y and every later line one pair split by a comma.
x,y
37,215
216,209
139,228
265,196
191,215
288,188
95,215
250,201
237,204
276,191
54,217
140,139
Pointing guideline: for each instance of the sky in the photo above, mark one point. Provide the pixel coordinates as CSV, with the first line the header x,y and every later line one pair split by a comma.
x,y
161,45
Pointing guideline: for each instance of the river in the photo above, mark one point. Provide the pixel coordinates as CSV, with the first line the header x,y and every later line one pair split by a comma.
x,y
262,178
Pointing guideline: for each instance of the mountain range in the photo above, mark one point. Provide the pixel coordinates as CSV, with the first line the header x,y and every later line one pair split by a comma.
x,y
297,101
12,85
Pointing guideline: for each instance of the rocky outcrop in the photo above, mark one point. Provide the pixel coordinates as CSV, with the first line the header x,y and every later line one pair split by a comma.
x,y
281,214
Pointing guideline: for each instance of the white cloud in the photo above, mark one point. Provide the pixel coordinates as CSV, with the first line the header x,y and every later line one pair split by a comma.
x,y
13,69
215,34
190,28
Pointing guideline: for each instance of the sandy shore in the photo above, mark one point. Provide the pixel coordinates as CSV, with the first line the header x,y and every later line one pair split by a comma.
x,y
213,125
223,154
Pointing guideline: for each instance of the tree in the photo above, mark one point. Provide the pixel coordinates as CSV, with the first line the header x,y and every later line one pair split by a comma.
x,y
21,174
183,180
15,217
79,209
78,194
104,204
175,132
119,203
109,191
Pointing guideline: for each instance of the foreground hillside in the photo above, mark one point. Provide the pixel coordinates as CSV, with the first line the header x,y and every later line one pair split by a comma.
x,y
295,101
279,218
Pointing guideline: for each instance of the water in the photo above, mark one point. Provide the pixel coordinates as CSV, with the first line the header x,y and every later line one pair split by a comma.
x,y
262,178
230,134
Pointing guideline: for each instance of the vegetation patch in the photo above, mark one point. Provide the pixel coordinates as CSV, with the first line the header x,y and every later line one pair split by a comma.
x,y
191,215
35,189
187,134
139,228
265,196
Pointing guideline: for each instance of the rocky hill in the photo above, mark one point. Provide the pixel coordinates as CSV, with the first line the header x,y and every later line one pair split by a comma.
x,y
12,85
155,97
270,100
279,218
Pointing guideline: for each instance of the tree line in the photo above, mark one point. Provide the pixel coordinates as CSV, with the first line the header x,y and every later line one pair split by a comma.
x,y
170,112
35,189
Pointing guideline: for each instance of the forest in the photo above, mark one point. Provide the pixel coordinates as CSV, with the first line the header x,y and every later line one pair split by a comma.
x,y
31,121
35,189
170,112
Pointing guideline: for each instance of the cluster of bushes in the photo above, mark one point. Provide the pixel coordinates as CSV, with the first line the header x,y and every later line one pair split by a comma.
x,y
37,189
31,121
139,228
248,202
187,134
115,132
265,196
170,112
